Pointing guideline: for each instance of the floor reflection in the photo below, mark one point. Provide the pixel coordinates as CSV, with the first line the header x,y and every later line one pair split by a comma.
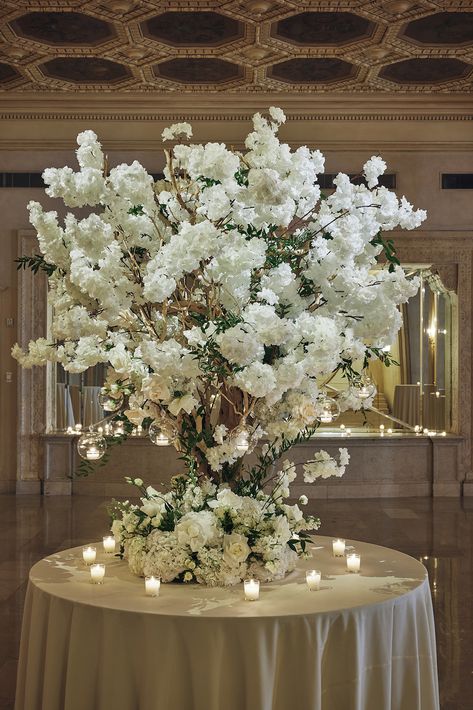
x,y
439,532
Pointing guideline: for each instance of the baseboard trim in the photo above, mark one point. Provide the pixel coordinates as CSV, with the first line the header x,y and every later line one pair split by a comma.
x,y
28,488
57,488
7,487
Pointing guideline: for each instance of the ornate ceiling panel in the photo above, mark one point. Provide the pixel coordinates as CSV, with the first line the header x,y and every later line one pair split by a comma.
x,y
255,46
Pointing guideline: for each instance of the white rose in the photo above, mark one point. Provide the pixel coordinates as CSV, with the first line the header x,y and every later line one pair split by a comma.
x,y
235,549
303,500
196,529
151,508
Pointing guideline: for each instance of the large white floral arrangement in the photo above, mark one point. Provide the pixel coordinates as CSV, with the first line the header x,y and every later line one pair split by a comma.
x,y
202,532
223,298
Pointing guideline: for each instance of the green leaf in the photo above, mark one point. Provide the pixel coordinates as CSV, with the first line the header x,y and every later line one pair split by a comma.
x,y
35,263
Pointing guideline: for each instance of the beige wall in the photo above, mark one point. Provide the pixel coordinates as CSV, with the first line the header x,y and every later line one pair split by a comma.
x,y
418,141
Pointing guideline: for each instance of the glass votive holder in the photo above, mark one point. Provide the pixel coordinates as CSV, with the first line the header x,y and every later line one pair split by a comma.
x,y
338,547
109,544
353,562
152,586
97,573
251,587
89,554
313,577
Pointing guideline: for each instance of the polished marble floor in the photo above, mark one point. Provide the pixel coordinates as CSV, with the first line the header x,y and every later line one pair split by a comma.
x,y
440,532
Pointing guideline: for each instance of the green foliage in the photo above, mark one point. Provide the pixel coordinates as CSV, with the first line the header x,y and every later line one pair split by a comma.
x,y
389,250
35,263
208,182
382,355
241,176
136,210
227,522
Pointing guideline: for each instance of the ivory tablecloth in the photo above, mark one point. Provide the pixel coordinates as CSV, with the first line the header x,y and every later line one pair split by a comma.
x,y
363,642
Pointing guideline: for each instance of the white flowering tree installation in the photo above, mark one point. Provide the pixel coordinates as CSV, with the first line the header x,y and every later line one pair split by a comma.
x,y
222,298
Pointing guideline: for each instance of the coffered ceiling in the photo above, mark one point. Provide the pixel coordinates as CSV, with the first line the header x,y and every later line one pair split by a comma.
x,y
236,46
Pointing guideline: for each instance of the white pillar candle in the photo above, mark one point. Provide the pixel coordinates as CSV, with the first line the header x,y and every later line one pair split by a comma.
x,y
97,573
152,586
251,587
313,577
338,547
353,562
89,554
109,544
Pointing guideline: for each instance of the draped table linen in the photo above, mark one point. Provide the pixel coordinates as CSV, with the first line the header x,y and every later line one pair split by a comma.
x,y
362,642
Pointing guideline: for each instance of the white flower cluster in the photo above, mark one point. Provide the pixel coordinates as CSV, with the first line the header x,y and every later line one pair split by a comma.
x,y
211,535
323,466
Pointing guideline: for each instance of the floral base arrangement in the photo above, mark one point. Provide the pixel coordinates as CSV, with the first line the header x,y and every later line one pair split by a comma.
x,y
201,532
224,299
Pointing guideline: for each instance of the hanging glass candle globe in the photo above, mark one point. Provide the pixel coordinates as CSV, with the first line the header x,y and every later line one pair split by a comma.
x,y
91,446
161,433
110,401
327,409
242,440
119,429
365,388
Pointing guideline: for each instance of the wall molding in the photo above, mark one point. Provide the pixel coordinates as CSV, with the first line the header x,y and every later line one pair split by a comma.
x,y
134,106
32,290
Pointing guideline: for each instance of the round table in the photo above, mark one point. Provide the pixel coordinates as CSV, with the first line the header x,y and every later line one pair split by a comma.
x,y
362,642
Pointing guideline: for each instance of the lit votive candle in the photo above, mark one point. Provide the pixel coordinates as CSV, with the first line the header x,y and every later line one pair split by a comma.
x,y
338,547
92,453
251,587
313,577
152,586
89,554
97,573
109,544
353,562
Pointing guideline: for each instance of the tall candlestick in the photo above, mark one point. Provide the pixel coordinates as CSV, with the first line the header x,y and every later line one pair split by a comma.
x,y
353,562
97,573
89,554
338,547
251,587
313,577
109,544
152,586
